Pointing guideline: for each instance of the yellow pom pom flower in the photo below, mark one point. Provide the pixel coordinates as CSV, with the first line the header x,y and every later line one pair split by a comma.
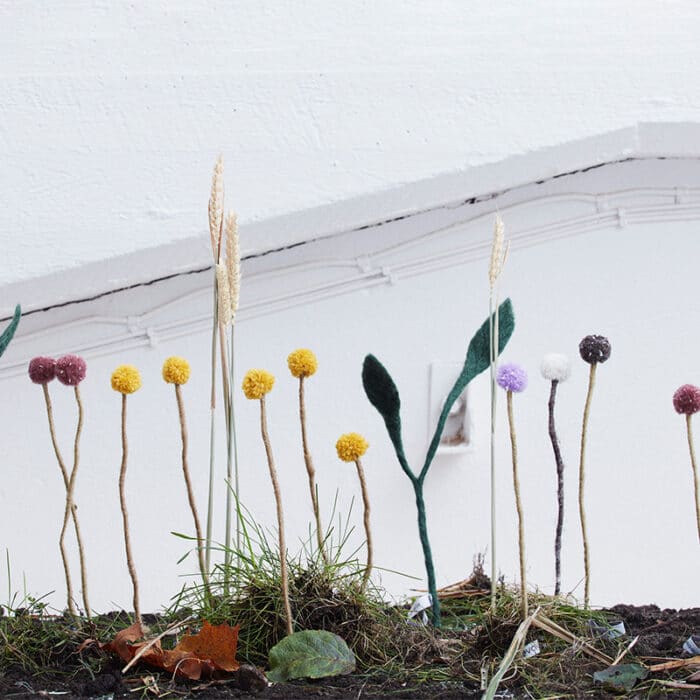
x,y
257,383
351,446
302,363
126,379
176,370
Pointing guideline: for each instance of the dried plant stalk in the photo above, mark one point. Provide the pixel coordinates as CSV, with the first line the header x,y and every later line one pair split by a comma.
x,y
498,257
233,262
280,519
216,206
368,531
125,518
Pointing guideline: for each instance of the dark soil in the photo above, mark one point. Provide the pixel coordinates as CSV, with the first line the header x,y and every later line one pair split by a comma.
x,y
569,673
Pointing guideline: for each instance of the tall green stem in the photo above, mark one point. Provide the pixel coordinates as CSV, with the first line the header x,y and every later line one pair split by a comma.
x,y
427,553
212,433
560,487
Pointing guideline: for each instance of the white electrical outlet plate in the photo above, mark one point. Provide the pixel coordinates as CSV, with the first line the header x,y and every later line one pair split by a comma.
x,y
456,438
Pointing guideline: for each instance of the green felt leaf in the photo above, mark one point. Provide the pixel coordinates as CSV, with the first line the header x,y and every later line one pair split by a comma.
x,y
384,396
9,332
623,676
478,359
310,654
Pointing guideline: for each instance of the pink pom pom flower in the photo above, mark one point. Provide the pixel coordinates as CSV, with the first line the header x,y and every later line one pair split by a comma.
x,y
42,370
71,370
512,377
686,399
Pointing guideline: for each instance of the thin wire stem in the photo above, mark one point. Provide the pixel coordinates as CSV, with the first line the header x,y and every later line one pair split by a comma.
x,y
125,518
280,519
581,484
518,507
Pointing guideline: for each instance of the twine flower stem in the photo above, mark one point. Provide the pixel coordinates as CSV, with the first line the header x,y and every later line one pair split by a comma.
x,y
581,485
311,473
518,506
560,487
190,491
368,531
71,507
280,518
125,518
693,462
66,483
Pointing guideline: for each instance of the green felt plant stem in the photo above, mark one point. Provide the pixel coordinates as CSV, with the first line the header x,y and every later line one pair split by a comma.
x,y
212,435
9,332
384,396
493,341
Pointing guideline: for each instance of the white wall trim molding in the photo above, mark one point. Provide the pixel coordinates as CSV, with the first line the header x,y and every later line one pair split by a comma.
x,y
437,239
643,141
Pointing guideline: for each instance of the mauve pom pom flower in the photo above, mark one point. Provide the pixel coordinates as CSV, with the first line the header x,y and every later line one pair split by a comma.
x,y
555,367
511,377
71,370
594,348
687,399
42,370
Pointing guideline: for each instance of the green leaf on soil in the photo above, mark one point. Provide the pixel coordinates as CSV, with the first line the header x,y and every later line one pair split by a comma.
x,y
310,654
623,676
9,332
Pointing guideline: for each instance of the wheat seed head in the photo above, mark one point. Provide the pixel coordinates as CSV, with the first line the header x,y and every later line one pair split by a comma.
x,y
216,206
233,261
497,251
223,294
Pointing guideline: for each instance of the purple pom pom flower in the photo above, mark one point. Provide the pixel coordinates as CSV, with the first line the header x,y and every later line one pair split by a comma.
x,y
42,370
71,370
512,377
686,399
594,348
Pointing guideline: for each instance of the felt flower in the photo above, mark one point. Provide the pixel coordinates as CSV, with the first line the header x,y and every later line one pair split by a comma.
x,y
176,370
257,383
511,377
555,367
42,370
302,363
686,399
351,446
70,370
594,348
126,379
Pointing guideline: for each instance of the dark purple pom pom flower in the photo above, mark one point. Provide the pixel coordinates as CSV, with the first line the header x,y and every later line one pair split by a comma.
x,y
687,399
511,377
70,370
42,370
594,348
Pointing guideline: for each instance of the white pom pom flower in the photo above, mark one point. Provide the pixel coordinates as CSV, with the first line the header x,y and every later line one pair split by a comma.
x,y
555,367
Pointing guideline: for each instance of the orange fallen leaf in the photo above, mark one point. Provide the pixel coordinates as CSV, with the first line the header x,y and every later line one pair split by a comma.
x,y
217,643
200,655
